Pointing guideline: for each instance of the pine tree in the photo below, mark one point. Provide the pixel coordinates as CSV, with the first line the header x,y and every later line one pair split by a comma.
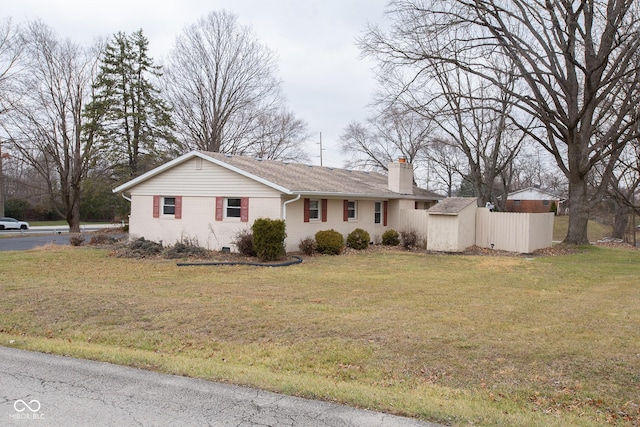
x,y
133,123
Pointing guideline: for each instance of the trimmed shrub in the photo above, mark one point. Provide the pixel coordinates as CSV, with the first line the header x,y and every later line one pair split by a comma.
x,y
268,238
329,242
390,238
554,208
244,243
307,246
409,239
358,239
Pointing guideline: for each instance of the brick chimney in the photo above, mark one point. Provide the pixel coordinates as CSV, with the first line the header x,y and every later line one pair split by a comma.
x,y
401,176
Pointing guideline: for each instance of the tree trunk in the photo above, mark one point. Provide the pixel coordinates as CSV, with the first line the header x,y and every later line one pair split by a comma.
x,y
620,221
73,216
578,210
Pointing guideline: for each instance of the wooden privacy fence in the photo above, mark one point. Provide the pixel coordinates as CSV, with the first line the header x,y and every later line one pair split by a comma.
x,y
506,231
414,220
513,232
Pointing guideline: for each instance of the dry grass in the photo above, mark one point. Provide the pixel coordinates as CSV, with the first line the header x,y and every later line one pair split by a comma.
x,y
595,230
451,338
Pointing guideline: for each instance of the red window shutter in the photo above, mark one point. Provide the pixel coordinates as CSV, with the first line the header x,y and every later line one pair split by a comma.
x,y
325,202
219,208
345,210
156,206
178,212
307,205
385,214
244,209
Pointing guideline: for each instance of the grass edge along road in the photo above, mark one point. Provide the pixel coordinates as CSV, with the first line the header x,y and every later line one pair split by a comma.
x,y
454,339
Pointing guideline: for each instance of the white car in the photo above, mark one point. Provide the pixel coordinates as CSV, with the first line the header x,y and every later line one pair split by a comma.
x,y
13,224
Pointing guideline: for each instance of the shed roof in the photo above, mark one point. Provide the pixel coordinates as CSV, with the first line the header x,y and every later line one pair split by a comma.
x,y
452,205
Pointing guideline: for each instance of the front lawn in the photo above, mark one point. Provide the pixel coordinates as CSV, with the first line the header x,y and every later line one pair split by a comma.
x,y
456,339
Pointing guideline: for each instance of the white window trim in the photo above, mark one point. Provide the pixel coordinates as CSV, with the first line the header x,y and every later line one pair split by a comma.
x,y
380,212
355,210
163,204
226,207
318,209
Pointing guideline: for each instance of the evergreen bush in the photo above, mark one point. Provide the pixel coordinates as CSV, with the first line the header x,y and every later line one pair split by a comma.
x,y
390,238
268,238
329,242
358,239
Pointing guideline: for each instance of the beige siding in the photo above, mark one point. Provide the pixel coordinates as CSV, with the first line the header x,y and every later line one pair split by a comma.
x,y
198,222
210,179
452,233
514,232
297,229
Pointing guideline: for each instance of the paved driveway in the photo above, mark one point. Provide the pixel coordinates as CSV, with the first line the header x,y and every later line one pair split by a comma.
x,y
44,390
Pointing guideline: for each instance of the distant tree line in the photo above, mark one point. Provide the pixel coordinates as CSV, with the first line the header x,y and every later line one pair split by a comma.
x,y
76,120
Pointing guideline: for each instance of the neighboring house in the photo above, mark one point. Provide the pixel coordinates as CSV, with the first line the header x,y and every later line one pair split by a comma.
x,y
533,200
210,197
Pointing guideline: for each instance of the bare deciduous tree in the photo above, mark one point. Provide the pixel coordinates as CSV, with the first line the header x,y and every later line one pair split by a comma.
x,y
446,162
577,59
46,125
219,81
279,135
11,44
385,137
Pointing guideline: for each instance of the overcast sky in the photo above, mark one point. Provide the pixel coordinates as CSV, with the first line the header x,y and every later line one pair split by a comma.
x,y
325,81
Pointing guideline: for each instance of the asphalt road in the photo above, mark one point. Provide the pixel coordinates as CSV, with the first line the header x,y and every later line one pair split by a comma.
x,y
15,240
38,389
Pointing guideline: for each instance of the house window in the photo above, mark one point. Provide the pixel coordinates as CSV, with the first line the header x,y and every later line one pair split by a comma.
x,y
516,202
233,208
377,213
314,209
545,203
352,207
168,206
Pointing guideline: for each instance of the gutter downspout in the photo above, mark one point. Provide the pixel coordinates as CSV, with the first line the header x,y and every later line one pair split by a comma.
x,y
125,197
284,206
284,215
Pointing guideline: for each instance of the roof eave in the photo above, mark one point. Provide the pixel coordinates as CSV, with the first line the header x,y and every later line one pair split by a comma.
x,y
130,184
364,195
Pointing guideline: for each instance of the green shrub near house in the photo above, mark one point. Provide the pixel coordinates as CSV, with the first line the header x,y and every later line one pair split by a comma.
x,y
390,238
268,238
358,239
329,242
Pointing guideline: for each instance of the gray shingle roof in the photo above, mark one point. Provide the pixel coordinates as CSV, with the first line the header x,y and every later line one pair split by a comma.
x,y
452,205
309,179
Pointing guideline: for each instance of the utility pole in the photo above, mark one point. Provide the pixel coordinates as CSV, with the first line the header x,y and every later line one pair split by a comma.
x,y
320,148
